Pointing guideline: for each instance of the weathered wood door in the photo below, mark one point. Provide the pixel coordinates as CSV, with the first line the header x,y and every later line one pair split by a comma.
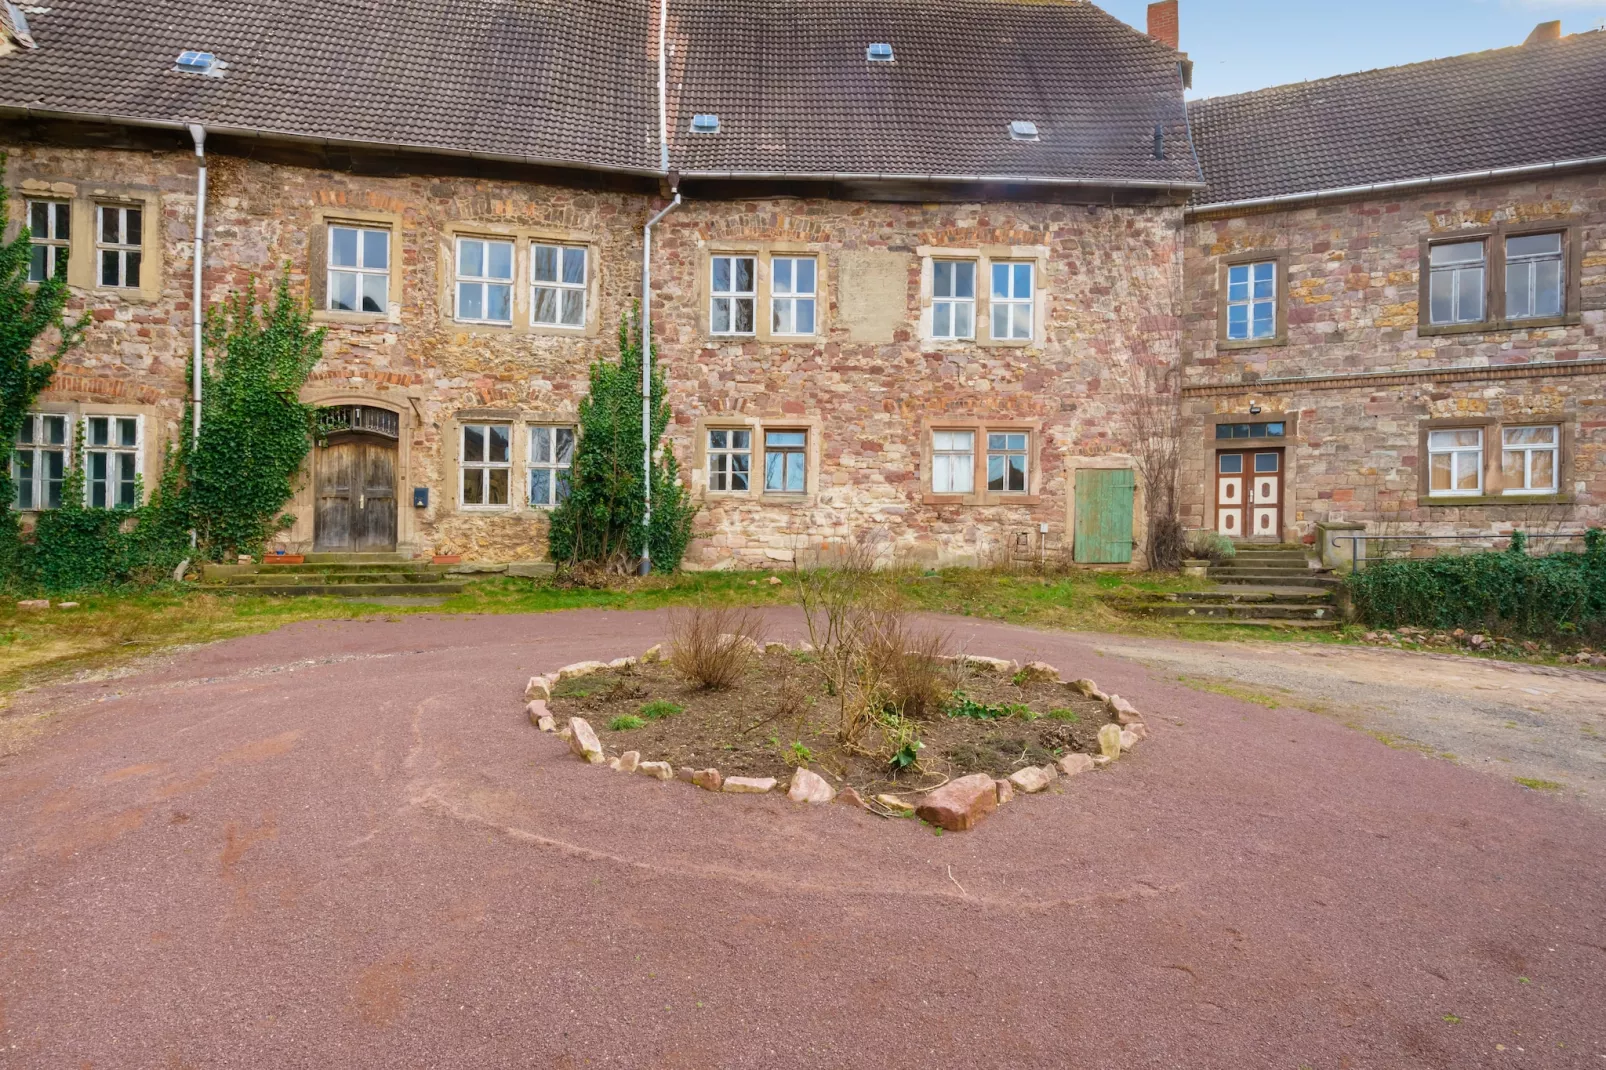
x,y
1249,494
1104,515
356,489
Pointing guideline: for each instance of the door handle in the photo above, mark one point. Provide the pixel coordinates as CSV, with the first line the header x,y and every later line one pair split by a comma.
x,y
362,500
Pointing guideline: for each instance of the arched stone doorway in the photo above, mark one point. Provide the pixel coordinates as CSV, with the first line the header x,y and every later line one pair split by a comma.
x,y
354,472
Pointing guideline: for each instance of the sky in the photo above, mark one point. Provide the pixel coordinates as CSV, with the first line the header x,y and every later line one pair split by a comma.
x,y
1238,45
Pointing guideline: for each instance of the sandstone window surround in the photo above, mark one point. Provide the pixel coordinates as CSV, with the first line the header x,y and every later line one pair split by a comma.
x,y
1248,283
773,459
1002,457
1495,460
134,211
763,291
1022,298
39,460
121,448
526,289
1505,278
330,268
50,235
549,458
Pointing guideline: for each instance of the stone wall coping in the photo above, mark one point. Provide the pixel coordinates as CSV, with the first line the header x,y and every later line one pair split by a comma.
x,y
1342,380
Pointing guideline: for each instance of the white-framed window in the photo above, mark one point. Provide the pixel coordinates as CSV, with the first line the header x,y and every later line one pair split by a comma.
x,y
484,280
1534,276
734,290
1530,459
786,462
1455,461
953,299
118,239
558,285
1252,300
359,268
953,462
49,235
1012,299
485,464
730,458
792,289
39,460
1456,272
111,461
550,458
1006,462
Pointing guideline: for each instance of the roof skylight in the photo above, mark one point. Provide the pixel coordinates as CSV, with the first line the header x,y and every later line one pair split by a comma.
x,y
705,123
879,52
1023,130
191,61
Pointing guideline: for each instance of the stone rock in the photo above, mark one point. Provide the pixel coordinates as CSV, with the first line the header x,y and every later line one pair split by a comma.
x,y
580,668
748,785
658,770
1083,687
774,581
547,724
773,647
469,568
583,740
1031,780
531,569
1122,710
34,603
613,763
975,661
66,605
622,663
539,687
809,787
850,795
895,802
1110,741
536,709
707,779
1072,764
686,773
628,761
960,804
566,734
652,654
1039,672
1138,729
1005,790
1101,760
1129,739
741,642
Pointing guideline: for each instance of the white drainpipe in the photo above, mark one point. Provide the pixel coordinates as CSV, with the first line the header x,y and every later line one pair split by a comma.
x,y
198,132
646,300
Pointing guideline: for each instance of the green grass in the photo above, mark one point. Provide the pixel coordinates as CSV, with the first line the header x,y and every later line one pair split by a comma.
x,y
1063,715
1538,785
626,722
659,708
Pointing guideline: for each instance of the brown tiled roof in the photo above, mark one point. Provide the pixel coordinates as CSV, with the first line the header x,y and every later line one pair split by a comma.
x,y
549,80
1532,104
794,92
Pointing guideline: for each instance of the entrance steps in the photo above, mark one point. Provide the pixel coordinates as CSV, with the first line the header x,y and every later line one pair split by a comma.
x,y
1270,586
338,576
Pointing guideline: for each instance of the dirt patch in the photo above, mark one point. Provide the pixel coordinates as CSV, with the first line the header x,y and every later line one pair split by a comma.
x,y
747,730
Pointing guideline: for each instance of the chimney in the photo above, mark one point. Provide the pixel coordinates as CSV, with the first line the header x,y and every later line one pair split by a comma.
x,y
1545,31
1163,23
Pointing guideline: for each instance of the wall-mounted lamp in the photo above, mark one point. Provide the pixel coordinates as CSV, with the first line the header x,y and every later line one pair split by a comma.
x,y
1254,409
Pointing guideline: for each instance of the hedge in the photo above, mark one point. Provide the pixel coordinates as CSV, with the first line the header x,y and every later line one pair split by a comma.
x,y
1507,592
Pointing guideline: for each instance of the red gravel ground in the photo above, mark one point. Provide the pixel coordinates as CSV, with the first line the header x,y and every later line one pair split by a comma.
x,y
341,845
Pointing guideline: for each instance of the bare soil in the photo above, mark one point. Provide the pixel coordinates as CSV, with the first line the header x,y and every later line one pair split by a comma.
x,y
745,731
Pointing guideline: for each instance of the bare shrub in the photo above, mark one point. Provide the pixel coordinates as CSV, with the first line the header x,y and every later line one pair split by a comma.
x,y
908,662
713,646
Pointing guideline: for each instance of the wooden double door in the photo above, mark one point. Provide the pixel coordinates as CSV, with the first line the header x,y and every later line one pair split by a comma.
x,y
355,477
1249,494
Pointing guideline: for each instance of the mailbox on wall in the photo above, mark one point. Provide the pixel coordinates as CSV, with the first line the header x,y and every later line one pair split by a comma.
x,y
420,497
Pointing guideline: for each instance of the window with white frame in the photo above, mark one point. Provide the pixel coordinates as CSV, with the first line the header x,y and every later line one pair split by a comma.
x,y
1455,461
550,458
558,285
734,290
485,464
118,240
359,269
1012,300
484,281
730,458
49,235
39,461
1006,462
792,288
1252,300
953,462
785,462
111,461
953,299
1533,276
1529,459
1456,272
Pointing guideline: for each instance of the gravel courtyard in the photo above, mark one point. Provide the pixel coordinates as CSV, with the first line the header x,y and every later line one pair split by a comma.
x,y
341,845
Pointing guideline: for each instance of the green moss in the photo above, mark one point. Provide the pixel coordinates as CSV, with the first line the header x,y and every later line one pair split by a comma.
x,y
626,722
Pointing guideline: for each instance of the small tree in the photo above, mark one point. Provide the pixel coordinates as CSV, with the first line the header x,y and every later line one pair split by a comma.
x,y
31,324
1151,405
255,430
600,522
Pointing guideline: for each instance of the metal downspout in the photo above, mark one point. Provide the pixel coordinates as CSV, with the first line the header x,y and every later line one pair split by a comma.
x,y
646,301
198,134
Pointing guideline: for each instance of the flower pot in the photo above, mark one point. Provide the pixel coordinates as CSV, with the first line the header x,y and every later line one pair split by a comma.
x,y
284,559
448,559
1195,568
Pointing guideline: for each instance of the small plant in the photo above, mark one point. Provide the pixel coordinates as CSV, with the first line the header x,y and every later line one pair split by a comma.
x,y
713,646
1209,546
906,756
1069,716
626,722
801,755
965,706
659,708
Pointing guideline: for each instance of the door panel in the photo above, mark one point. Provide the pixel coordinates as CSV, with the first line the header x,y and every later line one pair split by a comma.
x,y
376,528
356,497
1266,497
1249,494
334,470
1104,515
1230,495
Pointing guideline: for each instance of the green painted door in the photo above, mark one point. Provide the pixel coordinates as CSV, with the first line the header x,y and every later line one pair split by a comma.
x,y
1104,515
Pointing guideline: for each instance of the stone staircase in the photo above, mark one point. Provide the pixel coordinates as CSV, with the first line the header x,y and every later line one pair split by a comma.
x,y
1268,586
357,576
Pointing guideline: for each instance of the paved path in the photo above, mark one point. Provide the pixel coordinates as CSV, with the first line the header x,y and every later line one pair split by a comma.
x,y
339,845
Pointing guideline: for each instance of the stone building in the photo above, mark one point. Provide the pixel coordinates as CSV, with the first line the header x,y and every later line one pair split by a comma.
x,y
917,260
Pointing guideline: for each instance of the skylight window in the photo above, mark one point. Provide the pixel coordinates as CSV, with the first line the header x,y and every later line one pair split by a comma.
x,y
705,124
1023,130
194,62
880,52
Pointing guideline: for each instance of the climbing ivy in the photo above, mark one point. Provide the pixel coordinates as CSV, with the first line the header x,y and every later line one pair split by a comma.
x,y
600,521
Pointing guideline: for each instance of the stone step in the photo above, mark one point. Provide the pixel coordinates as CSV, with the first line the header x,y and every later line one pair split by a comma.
x,y
1248,593
1258,622
1278,557
337,579
346,559
1239,610
346,590
1281,578
334,568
